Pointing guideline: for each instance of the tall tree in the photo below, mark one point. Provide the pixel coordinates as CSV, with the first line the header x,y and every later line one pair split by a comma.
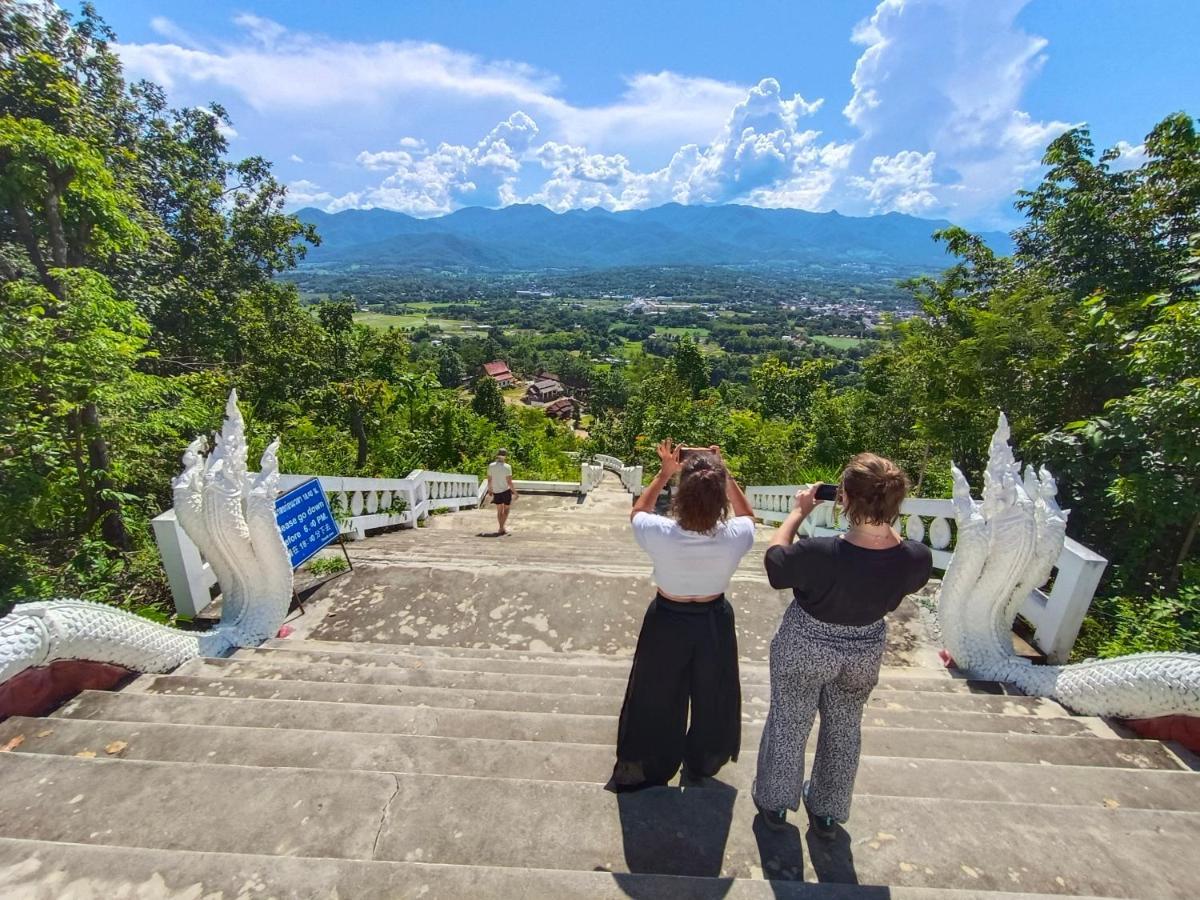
x,y
690,366
488,400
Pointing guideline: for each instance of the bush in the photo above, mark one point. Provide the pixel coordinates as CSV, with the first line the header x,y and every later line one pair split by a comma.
x,y
327,565
1120,625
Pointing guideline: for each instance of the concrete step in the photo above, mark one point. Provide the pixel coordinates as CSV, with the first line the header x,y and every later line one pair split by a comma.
x,y
755,697
603,677
556,825
583,763
480,657
613,689
574,729
907,678
39,870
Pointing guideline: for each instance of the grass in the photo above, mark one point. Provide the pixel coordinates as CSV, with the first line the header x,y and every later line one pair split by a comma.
x,y
410,320
837,342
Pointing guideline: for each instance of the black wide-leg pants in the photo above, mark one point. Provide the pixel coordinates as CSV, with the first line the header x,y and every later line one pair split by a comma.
x,y
686,657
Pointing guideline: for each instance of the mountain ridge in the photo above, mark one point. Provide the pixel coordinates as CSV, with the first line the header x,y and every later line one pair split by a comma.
x,y
525,237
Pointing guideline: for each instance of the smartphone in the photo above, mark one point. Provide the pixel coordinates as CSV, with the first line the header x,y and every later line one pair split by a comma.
x,y
827,492
685,452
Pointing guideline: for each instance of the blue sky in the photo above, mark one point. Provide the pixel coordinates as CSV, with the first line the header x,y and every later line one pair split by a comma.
x,y
939,108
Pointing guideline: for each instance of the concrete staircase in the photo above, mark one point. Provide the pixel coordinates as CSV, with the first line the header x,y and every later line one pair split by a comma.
x,y
314,767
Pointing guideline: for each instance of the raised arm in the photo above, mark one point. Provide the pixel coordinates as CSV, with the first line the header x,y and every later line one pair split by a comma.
x,y
785,534
668,456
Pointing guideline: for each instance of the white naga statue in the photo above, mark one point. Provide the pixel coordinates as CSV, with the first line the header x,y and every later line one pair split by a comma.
x,y
1006,547
230,515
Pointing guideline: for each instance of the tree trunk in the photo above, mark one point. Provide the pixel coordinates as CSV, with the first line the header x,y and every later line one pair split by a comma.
x,y
360,433
106,509
921,471
1184,552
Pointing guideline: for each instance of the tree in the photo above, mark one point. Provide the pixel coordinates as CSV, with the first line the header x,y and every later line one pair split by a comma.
x,y
363,369
64,213
451,371
489,401
784,391
690,366
609,392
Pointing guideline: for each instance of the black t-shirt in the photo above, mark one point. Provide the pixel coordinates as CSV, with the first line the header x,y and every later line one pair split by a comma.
x,y
844,584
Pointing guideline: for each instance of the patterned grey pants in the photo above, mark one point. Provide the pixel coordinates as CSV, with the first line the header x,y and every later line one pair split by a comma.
x,y
815,665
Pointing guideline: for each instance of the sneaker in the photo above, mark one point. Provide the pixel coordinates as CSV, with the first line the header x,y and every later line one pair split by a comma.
x,y
774,819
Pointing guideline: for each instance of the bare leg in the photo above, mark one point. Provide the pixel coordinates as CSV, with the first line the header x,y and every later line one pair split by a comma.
x,y
502,517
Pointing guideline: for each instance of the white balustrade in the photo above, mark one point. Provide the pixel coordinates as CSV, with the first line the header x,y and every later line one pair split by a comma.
x,y
1056,617
631,476
360,505
609,462
589,476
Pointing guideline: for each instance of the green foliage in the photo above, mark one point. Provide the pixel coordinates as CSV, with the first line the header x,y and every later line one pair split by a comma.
x,y
451,371
327,565
1119,625
690,367
488,400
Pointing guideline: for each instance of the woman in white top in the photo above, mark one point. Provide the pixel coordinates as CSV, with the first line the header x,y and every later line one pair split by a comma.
x,y
687,649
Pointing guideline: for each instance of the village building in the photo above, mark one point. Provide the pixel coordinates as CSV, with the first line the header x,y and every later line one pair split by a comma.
x,y
562,408
543,390
499,372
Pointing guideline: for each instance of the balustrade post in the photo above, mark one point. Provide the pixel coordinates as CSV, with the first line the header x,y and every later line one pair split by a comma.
x,y
1079,573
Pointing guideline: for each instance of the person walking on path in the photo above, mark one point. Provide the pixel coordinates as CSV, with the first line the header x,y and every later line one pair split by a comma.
x,y
687,650
829,647
500,488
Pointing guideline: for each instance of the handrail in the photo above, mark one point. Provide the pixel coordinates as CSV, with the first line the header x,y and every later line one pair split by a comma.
x,y
1056,616
631,476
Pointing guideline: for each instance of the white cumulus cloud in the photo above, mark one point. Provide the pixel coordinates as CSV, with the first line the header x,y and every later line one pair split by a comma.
x,y
935,113
903,182
431,182
946,77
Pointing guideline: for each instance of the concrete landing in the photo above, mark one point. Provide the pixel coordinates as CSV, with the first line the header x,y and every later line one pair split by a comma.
x,y
569,577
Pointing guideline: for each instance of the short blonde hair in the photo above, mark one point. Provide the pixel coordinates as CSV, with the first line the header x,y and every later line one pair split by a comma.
x,y
872,490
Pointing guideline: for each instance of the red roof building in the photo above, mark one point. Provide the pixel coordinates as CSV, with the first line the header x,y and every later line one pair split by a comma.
x,y
498,371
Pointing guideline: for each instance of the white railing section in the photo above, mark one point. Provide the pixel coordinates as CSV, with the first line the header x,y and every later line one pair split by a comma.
x,y
631,476
360,504
1056,617
589,476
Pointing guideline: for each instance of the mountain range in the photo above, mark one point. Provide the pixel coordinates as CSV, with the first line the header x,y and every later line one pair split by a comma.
x,y
525,238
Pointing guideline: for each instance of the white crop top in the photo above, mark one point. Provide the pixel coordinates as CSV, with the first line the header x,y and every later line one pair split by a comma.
x,y
690,564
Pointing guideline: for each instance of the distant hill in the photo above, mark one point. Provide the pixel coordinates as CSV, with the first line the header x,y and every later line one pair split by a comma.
x,y
524,238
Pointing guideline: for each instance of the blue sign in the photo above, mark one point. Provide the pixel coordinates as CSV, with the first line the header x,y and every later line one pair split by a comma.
x,y
305,520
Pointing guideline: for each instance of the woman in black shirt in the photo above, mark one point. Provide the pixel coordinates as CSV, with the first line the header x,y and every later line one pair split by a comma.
x,y
828,649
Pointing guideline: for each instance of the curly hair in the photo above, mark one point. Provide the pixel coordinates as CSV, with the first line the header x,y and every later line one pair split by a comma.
x,y
872,490
700,502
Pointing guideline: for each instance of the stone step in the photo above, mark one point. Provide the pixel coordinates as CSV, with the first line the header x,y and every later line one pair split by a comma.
x,y
38,870
574,729
584,763
518,824
481,656
755,697
613,690
474,659
478,659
